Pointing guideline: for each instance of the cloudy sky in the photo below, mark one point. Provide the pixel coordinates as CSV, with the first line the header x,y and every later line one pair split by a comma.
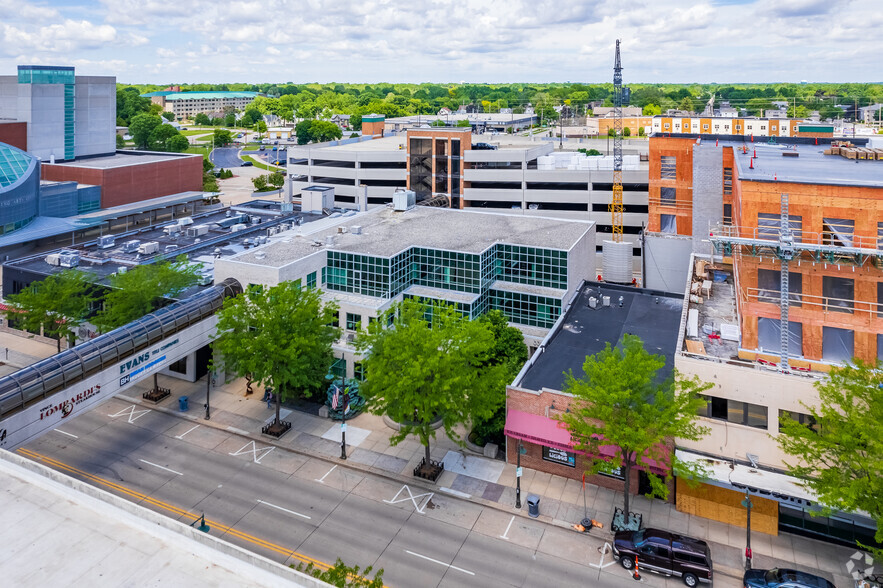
x,y
161,41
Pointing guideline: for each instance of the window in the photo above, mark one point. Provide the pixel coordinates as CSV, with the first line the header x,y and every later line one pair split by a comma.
x,y
769,225
733,411
769,286
838,345
668,167
353,321
667,223
728,180
728,214
359,371
839,293
838,231
769,336
311,280
667,196
336,322
803,419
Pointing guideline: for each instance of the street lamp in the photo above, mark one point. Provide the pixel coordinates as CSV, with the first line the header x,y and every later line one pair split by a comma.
x,y
521,450
748,505
346,406
208,389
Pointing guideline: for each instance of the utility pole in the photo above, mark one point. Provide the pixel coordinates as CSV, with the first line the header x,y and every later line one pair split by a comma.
x,y
520,450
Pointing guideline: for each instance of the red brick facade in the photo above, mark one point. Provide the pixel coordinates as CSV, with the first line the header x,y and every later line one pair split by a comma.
x,y
14,133
134,183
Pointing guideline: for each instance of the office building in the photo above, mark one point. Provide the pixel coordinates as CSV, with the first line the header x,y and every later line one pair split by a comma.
x,y
67,115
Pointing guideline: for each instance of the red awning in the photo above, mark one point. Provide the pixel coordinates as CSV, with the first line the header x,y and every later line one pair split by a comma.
x,y
535,428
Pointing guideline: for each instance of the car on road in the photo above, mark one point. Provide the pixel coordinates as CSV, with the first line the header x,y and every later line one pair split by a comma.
x,y
262,148
783,578
246,164
665,553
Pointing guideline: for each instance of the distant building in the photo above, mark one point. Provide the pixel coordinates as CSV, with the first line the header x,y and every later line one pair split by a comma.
x,y
776,113
189,104
607,111
67,116
872,114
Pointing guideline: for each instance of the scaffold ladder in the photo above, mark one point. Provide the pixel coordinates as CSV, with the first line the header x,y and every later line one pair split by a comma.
x,y
786,244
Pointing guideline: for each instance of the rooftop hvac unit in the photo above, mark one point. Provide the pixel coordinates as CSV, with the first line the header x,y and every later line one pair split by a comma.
x,y
255,219
105,242
53,259
237,228
122,269
356,229
593,302
329,240
68,259
404,200
148,248
168,230
616,262
197,230
605,300
185,221
341,230
131,246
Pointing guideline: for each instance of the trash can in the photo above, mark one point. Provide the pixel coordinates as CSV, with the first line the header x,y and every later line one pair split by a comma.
x,y
533,505
182,404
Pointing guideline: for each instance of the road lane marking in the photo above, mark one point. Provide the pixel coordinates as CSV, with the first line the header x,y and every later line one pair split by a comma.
x,y
440,563
413,498
322,479
509,526
252,448
601,565
133,416
63,433
178,512
284,510
181,436
156,465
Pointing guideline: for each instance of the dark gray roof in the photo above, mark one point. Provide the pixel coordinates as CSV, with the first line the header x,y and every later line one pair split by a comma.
x,y
653,316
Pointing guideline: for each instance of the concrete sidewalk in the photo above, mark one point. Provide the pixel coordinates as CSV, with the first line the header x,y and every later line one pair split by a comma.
x,y
490,483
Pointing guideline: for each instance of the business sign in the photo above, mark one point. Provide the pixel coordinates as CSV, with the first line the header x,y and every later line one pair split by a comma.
x,y
559,456
617,474
136,365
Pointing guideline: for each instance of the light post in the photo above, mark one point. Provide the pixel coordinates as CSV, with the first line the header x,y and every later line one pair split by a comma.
x,y
346,405
518,475
748,505
208,389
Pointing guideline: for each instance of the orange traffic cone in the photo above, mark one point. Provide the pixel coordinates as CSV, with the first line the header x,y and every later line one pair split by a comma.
x,y
635,574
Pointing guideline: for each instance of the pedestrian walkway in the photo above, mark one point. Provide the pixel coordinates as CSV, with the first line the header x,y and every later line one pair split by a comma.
x,y
491,483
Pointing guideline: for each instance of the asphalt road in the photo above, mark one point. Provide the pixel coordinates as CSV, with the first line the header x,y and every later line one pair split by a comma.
x,y
225,157
292,508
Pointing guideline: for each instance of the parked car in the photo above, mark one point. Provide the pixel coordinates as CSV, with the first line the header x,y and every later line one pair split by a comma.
x,y
262,148
246,164
483,147
782,578
667,553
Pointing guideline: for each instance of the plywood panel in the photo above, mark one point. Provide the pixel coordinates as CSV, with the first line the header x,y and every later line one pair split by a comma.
x,y
721,504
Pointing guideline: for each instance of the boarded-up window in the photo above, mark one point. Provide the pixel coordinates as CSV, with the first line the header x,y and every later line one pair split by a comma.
x,y
837,344
668,168
668,223
839,293
838,231
667,196
769,225
769,286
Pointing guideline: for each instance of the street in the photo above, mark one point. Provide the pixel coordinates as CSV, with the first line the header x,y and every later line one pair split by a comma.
x,y
293,508
226,157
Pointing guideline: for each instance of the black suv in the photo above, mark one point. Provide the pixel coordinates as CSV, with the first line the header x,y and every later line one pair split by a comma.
x,y
666,553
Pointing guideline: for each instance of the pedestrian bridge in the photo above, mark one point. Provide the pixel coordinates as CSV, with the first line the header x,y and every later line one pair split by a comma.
x,y
37,398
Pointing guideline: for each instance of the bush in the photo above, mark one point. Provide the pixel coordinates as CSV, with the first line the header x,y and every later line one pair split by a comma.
x,y
260,183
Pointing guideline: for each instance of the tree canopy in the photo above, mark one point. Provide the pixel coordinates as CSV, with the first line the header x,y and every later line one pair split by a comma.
x,y
149,132
621,402
838,449
58,305
141,290
280,336
430,363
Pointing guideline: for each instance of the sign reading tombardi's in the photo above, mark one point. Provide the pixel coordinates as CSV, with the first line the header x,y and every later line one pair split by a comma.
x,y
66,407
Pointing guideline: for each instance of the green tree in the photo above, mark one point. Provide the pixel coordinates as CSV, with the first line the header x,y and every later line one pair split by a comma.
x,y
463,123
141,128
177,144
342,575
130,103
652,110
323,130
230,120
281,336
302,131
620,402
626,132
437,123
261,126
260,183
142,289
58,305
121,143
277,179
356,122
210,182
161,136
169,116
641,131
202,119
222,137
432,363
839,452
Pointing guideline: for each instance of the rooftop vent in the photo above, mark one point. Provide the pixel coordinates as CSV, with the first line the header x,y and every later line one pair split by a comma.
x,y
356,229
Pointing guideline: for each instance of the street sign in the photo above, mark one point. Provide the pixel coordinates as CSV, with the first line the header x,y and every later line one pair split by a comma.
x,y
343,427
518,472
746,502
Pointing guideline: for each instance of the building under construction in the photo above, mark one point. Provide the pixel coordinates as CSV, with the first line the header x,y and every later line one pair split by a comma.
x,y
758,235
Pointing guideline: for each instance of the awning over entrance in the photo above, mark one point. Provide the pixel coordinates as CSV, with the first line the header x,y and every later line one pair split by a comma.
x,y
536,428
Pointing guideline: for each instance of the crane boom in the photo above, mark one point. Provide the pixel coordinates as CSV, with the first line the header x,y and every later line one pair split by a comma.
x,y
616,201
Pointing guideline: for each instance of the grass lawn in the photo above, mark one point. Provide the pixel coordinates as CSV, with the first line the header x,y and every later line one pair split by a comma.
x,y
262,165
189,133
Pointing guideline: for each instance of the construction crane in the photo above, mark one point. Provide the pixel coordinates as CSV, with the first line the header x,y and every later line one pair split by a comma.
x,y
616,202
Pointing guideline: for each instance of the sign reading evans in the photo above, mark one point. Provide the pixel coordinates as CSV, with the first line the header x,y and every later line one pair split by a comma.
x,y
136,365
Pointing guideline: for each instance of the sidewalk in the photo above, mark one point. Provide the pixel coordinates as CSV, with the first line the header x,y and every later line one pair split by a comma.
x,y
490,483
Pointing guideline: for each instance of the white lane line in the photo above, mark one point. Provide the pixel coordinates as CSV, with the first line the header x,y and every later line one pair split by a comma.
x,y
322,479
181,436
509,526
440,563
284,510
63,433
156,465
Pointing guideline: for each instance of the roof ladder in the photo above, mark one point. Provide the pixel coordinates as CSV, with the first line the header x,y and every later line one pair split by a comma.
x,y
786,248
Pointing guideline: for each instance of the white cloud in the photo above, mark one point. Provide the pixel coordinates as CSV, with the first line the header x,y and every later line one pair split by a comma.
x,y
63,38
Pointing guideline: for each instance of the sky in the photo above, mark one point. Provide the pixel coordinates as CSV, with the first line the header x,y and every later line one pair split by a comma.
x,y
413,41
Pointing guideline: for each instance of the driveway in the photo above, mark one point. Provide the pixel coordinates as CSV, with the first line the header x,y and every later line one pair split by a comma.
x,y
226,157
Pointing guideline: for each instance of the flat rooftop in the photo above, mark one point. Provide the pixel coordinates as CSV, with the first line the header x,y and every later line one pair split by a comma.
x,y
810,166
381,144
122,159
386,232
717,307
653,316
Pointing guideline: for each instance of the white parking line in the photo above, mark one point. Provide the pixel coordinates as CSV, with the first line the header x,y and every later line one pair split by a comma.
x,y
181,436
322,479
156,465
63,433
509,526
284,510
440,563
